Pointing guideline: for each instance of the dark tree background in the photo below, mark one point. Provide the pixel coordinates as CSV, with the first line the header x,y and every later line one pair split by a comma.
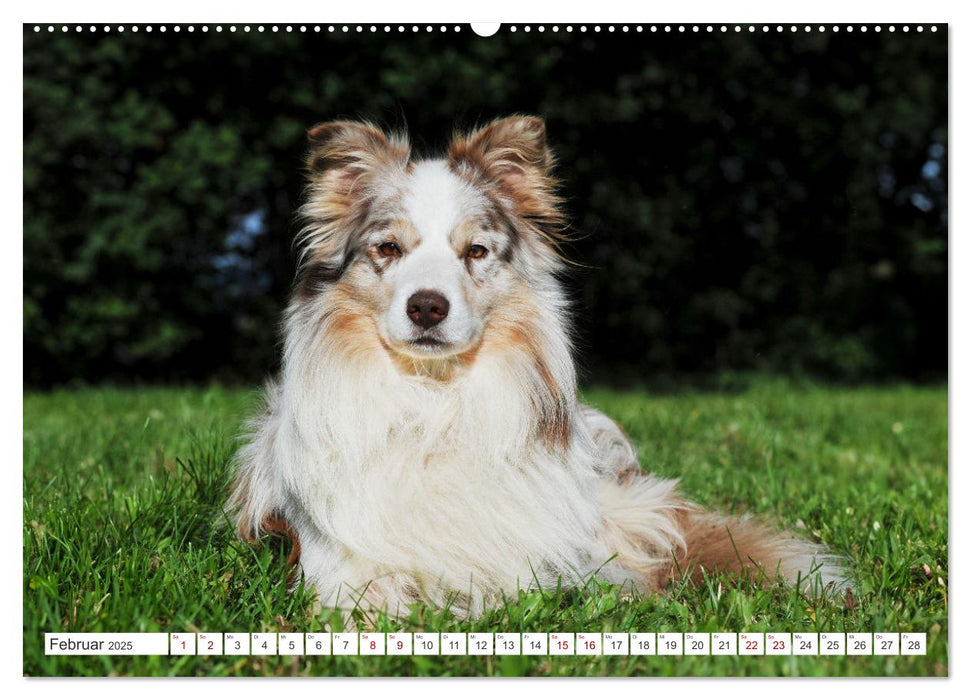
x,y
775,202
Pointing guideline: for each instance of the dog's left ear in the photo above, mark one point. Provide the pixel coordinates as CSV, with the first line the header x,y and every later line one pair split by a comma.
x,y
511,154
507,150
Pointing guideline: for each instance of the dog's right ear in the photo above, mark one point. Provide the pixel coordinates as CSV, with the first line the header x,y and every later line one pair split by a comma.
x,y
344,161
353,149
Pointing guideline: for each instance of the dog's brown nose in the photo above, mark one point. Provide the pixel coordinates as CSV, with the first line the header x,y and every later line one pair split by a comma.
x,y
427,308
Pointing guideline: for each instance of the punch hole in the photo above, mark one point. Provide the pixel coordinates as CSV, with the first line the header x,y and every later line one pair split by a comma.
x,y
485,29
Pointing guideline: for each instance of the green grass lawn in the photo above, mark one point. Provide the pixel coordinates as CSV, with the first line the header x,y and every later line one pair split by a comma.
x,y
122,490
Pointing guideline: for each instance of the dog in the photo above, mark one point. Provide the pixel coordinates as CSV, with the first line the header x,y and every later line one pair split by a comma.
x,y
425,441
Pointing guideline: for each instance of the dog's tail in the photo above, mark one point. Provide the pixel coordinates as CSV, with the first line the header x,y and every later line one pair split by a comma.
x,y
750,550
662,538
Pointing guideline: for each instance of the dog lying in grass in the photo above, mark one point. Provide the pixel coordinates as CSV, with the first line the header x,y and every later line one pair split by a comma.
x,y
425,440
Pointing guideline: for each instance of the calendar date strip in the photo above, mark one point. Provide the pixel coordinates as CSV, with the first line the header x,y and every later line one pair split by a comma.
x,y
487,644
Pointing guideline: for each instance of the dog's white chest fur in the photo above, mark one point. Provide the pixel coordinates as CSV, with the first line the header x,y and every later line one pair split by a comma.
x,y
416,487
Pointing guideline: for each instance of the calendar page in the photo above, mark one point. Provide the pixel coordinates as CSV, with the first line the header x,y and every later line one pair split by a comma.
x,y
402,349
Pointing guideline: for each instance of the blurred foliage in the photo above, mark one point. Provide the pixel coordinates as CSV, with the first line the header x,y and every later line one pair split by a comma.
x,y
755,201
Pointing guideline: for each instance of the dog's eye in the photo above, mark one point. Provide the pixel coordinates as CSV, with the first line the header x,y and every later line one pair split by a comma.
x,y
476,251
389,250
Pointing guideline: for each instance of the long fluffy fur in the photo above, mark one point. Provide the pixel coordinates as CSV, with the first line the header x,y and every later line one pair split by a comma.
x,y
463,479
